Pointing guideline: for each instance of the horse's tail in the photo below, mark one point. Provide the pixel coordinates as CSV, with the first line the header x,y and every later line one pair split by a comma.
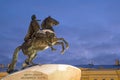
x,y
14,60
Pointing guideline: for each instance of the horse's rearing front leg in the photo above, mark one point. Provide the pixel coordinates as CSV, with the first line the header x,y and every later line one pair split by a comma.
x,y
62,44
66,43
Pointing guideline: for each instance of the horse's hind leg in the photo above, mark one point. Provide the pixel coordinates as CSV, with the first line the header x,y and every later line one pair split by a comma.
x,y
26,63
32,56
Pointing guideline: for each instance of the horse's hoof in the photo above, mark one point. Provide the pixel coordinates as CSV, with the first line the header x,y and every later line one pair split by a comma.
x,y
62,52
24,65
67,47
54,49
34,64
11,71
40,64
23,68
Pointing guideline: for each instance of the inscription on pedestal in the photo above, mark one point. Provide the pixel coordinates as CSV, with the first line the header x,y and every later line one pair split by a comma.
x,y
35,76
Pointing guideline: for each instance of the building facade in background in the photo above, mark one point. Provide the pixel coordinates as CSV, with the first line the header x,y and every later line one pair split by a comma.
x,y
100,74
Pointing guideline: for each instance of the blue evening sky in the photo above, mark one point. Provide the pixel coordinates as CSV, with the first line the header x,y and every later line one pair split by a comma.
x,y
91,27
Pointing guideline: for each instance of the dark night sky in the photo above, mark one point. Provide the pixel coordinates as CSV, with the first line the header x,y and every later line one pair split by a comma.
x,y
92,28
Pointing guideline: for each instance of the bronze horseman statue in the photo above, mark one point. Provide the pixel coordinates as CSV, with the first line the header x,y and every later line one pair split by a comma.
x,y
33,28
38,38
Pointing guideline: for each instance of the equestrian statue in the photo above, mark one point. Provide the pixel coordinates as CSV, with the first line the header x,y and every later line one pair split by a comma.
x,y
38,38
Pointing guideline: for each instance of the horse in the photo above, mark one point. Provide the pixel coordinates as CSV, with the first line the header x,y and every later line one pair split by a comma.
x,y
36,45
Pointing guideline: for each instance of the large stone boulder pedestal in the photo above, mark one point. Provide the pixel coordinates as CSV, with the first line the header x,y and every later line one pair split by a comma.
x,y
47,72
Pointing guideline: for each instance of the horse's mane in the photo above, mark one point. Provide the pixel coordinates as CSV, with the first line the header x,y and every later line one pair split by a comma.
x,y
44,23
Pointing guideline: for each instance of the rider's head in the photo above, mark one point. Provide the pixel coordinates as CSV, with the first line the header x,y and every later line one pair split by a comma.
x,y
33,17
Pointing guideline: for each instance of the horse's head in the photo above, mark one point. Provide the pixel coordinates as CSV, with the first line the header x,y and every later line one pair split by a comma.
x,y
51,22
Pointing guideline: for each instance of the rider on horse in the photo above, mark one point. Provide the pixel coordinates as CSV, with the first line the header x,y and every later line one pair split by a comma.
x,y
33,28
34,43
